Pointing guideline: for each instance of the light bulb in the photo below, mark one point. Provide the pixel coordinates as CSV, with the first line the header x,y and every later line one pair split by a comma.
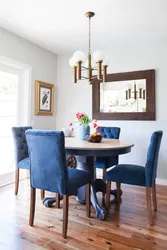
x,y
129,85
79,56
98,56
140,85
72,62
106,62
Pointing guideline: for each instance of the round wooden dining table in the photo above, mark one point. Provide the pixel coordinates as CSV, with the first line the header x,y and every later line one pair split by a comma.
x,y
85,153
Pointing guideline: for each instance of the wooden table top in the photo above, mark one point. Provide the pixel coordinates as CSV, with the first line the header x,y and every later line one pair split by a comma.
x,y
105,144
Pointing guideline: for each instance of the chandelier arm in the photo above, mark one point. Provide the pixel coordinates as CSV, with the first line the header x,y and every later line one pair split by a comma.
x,y
135,92
104,72
99,69
84,77
79,70
127,97
86,68
140,93
75,74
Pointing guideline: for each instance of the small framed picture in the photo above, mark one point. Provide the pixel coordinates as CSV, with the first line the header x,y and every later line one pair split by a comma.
x,y
44,98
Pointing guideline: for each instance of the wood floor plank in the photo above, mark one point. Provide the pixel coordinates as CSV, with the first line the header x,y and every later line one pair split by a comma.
x,y
126,228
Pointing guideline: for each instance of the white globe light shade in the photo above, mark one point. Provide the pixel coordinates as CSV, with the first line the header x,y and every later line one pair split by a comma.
x,y
93,64
72,62
98,56
106,62
79,56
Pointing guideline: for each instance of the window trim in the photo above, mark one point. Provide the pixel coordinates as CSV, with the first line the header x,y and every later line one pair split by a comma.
x,y
24,73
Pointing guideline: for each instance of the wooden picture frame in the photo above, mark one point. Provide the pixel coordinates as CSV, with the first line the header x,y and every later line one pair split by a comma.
x,y
44,98
150,113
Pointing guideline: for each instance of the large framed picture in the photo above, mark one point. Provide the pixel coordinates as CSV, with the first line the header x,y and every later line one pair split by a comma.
x,y
44,98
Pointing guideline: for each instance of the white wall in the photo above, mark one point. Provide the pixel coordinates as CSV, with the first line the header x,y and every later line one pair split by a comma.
x,y
78,97
43,65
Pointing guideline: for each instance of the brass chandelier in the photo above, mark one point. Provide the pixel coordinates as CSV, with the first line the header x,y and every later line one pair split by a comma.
x,y
99,64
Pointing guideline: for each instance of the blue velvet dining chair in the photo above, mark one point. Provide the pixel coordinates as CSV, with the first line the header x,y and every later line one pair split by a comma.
x,y
106,162
21,152
138,175
49,171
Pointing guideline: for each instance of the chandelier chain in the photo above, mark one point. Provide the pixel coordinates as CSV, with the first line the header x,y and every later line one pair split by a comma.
x,y
89,43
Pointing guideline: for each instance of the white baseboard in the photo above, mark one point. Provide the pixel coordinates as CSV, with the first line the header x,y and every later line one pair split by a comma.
x,y
161,181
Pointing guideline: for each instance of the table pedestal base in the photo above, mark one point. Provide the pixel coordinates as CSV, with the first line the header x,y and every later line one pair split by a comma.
x,y
97,185
49,201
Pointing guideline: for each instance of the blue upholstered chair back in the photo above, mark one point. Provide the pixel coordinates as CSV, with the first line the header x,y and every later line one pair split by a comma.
x,y
152,157
110,132
48,168
20,143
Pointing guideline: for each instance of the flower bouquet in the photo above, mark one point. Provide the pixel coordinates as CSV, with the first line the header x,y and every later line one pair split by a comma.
x,y
84,125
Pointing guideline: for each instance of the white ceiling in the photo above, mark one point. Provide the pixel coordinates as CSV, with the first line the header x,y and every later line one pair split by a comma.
x,y
61,26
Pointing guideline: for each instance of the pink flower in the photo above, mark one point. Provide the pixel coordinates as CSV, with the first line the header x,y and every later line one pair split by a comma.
x,y
98,128
94,125
72,129
70,124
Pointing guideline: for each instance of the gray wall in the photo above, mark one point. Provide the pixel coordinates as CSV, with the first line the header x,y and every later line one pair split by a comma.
x,y
43,65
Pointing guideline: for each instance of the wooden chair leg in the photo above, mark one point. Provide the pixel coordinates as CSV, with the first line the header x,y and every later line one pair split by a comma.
x,y
154,196
149,209
104,179
88,200
42,194
118,191
108,190
65,215
104,174
16,181
57,200
32,206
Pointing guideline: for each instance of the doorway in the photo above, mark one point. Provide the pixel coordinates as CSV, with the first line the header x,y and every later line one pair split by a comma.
x,y
14,111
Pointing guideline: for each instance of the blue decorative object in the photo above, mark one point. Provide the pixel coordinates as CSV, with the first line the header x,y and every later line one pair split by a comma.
x,y
21,152
84,131
140,175
49,171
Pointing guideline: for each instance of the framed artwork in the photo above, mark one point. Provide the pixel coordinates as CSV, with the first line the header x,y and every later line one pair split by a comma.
x,y
44,98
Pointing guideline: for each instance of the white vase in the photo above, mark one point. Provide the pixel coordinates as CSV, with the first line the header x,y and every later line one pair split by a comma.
x,y
66,132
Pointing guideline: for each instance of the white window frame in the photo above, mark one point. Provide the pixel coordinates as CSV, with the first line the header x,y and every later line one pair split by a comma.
x,y
23,71
24,90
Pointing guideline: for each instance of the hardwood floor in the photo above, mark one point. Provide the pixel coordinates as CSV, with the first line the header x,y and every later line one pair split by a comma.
x,y
126,228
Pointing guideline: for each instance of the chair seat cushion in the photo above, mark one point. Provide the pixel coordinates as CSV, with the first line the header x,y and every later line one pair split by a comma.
x,y
106,162
77,179
25,163
128,174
